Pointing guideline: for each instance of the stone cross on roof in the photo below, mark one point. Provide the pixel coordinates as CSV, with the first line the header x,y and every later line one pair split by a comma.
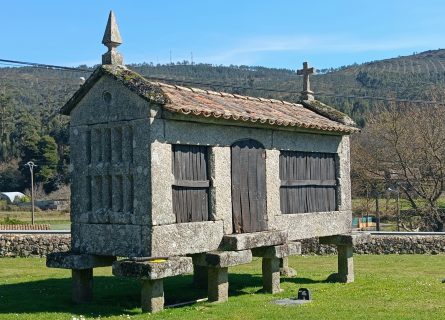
x,y
306,94
112,39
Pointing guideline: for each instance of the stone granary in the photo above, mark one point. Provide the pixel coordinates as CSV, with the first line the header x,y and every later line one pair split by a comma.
x,y
182,180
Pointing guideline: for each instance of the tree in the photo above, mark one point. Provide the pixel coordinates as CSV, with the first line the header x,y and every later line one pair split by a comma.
x,y
11,180
6,126
404,146
46,172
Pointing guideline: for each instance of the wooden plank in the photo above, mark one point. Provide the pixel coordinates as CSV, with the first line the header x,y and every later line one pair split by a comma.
x,y
262,191
307,183
236,189
244,189
250,219
192,183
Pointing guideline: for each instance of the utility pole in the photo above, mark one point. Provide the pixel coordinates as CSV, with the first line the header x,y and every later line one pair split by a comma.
x,y
31,166
398,209
397,191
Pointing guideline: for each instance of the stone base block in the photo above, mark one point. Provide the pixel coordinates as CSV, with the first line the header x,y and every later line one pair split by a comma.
x,y
200,275
223,259
218,284
82,285
70,260
271,275
152,296
347,239
345,244
281,251
285,270
244,241
153,269
345,264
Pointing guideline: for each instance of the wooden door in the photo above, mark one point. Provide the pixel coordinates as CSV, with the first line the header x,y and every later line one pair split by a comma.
x,y
248,186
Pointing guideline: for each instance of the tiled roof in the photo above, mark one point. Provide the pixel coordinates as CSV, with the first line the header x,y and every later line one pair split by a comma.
x,y
205,103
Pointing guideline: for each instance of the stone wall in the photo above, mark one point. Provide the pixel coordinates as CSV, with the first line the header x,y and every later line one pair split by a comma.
x,y
384,244
32,245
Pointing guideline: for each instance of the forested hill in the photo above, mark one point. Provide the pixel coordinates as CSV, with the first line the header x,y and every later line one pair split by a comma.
x,y
32,129
409,77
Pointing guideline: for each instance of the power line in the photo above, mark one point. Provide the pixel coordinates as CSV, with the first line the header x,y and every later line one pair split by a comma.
x,y
326,94
223,85
46,66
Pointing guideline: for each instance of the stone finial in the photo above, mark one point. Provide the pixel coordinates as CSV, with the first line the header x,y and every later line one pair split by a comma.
x,y
306,94
112,39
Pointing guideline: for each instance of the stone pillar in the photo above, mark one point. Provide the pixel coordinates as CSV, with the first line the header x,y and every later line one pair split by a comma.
x,y
218,284
200,276
82,285
152,295
271,275
285,270
345,263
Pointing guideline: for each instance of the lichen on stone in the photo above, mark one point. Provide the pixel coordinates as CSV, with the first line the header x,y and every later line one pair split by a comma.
x,y
328,111
132,80
137,83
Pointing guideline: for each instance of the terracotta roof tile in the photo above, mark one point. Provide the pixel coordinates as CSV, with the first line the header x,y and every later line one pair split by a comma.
x,y
207,103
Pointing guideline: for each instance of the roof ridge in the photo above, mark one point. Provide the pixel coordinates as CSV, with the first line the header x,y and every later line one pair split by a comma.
x,y
225,94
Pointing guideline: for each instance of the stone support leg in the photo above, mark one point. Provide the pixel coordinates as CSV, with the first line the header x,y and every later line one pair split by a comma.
x,y
82,285
271,275
200,276
152,295
285,270
218,284
345,263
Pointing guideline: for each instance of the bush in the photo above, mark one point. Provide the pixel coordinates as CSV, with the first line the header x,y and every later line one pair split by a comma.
x,y
9,220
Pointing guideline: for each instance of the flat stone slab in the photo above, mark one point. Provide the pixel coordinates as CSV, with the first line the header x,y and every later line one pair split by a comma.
x,y
223,259
281,251
78,261
245,241
153,269
291,302
346,239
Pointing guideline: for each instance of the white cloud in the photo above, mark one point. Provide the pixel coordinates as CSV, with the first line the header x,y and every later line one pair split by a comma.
x,y
317,44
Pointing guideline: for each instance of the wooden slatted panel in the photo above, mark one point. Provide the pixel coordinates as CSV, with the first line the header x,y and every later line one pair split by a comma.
x,y
190,190
308,182
248,186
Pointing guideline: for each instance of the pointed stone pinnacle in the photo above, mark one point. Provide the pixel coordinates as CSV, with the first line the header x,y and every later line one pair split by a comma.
x,y
112,39
112,35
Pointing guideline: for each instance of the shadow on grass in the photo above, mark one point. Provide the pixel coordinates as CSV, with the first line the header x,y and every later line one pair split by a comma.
x,y
113,296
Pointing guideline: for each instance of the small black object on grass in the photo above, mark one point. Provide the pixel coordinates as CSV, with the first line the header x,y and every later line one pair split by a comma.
x,y
304,294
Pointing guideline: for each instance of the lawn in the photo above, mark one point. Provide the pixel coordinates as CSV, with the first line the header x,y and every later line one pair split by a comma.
x,y
386,287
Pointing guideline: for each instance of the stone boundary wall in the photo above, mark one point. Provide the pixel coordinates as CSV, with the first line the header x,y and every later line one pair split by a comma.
x,y
33,245
384,244
39,245
25,227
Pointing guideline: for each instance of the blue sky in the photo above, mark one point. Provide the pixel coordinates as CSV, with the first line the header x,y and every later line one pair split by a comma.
x,y
277,33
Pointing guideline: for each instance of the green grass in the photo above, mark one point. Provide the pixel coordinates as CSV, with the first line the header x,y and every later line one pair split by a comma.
x,y
386,287
57,219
